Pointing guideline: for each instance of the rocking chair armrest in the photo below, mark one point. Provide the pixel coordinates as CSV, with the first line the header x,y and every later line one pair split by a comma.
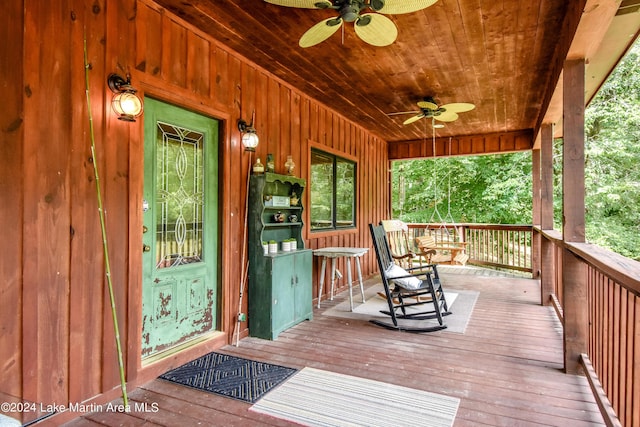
x,y
418,275
407,255
421,268
426,251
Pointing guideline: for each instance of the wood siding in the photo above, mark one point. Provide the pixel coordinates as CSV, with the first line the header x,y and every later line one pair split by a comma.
x,y
461,145
57,339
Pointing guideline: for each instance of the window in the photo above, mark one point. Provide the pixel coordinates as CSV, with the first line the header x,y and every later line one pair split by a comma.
x,y
333,192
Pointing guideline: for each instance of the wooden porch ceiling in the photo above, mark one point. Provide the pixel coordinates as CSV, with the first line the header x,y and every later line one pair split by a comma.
x,y
504,57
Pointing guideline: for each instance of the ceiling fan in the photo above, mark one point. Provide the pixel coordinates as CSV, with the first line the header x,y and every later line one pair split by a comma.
x,y
443,113
372,28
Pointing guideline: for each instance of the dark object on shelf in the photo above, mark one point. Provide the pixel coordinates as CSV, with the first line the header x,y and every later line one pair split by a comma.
x,y
271,167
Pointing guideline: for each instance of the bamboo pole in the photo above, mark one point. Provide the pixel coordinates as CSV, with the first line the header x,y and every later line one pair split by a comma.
x,y
244,263
105,246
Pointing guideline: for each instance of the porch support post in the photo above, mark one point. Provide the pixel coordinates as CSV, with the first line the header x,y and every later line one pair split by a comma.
x,y
535,244
547,261
574,273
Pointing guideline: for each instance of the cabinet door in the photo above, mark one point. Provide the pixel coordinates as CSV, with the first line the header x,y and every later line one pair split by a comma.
x,y
303,287
282,297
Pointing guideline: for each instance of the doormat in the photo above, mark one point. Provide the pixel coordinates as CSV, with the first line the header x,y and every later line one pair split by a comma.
x,y
229,376
314,397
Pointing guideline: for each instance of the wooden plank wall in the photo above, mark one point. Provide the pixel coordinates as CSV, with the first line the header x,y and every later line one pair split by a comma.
x,y
54,279
463,145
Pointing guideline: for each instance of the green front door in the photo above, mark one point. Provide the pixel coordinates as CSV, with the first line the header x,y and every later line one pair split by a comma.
x,y
180,259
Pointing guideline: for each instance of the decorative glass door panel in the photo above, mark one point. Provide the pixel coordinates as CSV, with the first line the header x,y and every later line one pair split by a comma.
x,y
179,245
180,196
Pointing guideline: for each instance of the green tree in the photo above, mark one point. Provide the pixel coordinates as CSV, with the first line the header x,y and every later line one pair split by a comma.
x,y
484,189
612,153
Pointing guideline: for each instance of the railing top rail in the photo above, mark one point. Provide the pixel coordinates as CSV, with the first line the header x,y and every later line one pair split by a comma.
x,y
470,225
553,235
623,270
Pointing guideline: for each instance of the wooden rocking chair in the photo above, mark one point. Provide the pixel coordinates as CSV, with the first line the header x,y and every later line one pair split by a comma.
x,y
403,250
401,285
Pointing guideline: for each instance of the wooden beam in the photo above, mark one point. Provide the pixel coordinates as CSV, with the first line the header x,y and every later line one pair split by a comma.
x,y
535,170
495,143
11,174
546,177
574,271
573,152
547,274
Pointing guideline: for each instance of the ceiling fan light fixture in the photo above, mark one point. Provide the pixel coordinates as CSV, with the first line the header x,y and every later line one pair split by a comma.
x,y
445,113
376,30
350,12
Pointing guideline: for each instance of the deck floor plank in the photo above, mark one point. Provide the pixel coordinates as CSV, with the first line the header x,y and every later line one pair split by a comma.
x,y
506,368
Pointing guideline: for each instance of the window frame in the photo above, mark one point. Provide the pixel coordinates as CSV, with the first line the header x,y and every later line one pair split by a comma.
x,y
336,156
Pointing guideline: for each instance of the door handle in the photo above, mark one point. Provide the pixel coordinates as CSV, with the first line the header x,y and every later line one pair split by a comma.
x,y
146,248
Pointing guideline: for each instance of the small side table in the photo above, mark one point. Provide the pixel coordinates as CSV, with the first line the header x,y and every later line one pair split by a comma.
x,y
338,252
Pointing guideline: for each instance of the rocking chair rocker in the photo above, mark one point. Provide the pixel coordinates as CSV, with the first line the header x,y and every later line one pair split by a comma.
x,y
401,285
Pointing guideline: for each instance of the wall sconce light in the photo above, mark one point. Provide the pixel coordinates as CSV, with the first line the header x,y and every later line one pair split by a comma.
x,y
249,136
125,102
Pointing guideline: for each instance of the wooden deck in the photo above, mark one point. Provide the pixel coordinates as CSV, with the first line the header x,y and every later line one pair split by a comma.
x,y
506,369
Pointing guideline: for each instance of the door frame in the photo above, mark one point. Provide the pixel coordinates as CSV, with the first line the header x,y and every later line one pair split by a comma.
x,y
137,371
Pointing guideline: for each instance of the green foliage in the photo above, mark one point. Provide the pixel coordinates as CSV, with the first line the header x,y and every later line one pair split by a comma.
x,y
498,189
612,155
492,189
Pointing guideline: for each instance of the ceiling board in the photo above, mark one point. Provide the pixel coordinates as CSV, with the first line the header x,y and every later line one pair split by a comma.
x,y
496,55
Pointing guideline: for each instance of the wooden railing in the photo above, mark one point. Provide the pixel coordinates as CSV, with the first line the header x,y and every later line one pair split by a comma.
x,y
493,245
612,358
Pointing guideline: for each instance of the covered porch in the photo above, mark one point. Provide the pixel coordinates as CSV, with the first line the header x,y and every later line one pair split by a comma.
x,y
519,361
506,368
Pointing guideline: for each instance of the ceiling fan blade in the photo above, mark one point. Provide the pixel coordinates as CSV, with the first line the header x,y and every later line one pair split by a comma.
x,y
459,107
427,105
320,32
395,7
413,119
446,116
398,113
304,4
377,30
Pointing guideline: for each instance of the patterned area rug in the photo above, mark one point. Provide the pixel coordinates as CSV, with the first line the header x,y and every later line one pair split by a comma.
x,y
314,397
229,376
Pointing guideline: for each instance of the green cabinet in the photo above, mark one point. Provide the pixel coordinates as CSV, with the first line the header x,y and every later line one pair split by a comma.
x,y
279,282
